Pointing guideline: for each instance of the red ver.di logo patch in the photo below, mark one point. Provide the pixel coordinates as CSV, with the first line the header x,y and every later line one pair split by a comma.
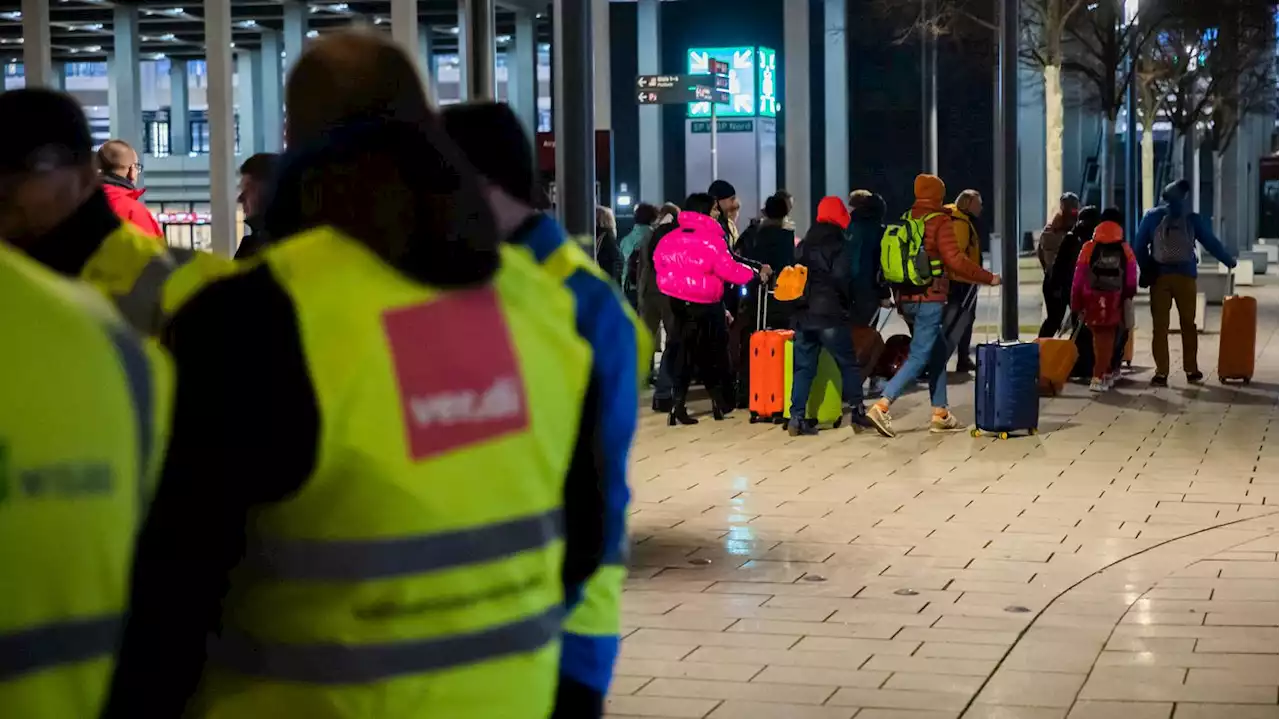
x,y
459,379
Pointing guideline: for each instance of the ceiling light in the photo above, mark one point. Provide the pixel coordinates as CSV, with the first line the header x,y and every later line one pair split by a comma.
x,y
247,23
12,15
313,33
454,30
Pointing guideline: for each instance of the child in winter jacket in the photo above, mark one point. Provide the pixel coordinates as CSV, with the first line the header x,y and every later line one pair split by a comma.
x,y
1106,275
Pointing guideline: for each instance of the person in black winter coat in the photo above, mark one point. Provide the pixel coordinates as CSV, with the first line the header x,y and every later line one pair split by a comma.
x,y
821,316
1057,283
607,254
866,227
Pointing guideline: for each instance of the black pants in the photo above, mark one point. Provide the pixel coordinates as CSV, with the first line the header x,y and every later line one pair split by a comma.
x,y
703,346
1056,309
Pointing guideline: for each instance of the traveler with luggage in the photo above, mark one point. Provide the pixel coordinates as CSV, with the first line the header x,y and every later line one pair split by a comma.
x,y
1058,280
1166,250
1051,239
645,217
963,301
1106,275
692,263
655,311
767,242
822,316
914,253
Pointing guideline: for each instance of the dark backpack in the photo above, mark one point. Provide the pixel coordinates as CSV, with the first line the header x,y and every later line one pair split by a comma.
x,y
1173,243
1106,268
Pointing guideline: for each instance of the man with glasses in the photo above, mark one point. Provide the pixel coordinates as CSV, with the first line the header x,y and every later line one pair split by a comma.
x,y
55,209
120,169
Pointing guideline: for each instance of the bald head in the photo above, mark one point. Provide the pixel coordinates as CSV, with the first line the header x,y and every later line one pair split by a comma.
x,y
352,76
118,158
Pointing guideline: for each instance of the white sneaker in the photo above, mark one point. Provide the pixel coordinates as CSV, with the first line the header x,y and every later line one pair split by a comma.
x,y
1097,386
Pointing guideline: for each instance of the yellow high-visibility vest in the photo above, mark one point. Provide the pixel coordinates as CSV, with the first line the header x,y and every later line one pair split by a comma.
x,y
417,573
146,281
84,413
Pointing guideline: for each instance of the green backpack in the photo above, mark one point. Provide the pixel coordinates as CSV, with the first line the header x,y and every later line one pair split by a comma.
x,y
903,259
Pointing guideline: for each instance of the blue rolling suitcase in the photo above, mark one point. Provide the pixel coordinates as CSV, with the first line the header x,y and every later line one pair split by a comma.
x,y
1006,394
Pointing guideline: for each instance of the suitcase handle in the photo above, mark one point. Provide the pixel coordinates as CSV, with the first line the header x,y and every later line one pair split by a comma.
x,y
762,305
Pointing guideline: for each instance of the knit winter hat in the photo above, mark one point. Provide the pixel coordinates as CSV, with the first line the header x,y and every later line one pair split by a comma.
x,y
721,190
491,137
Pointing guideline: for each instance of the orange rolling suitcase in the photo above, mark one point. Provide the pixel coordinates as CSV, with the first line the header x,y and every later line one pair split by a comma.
x,y
767,366
1057,359
1236,344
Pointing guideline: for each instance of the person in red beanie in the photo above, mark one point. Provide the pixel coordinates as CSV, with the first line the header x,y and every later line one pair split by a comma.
x,y
822,316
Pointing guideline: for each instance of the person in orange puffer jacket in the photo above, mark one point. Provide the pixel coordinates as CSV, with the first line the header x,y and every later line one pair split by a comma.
x,y
118,163
928,354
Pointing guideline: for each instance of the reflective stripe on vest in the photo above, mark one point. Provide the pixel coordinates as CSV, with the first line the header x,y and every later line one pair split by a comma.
x,y
337,560
51,645
356,663
137,373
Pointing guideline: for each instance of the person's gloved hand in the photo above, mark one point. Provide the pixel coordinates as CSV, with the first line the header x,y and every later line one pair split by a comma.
x,y
1144,280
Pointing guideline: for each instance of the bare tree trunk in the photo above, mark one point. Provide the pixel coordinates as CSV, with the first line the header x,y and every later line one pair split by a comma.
x,y
1148,167
1053,136
1106,179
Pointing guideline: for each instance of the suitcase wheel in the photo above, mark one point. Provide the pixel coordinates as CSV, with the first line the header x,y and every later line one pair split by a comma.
x,y
1034,431
1247,380
975,433
753,419
1004,435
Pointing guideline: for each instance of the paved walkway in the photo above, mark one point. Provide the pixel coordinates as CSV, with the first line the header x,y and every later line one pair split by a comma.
x,y
1123,564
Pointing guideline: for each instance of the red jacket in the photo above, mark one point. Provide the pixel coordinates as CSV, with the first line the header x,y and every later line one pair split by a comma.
x,y
125,203
940,242
1098,308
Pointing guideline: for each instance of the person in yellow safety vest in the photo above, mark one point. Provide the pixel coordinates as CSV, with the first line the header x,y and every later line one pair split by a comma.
x,y
385,516
491,136
58,214
83,422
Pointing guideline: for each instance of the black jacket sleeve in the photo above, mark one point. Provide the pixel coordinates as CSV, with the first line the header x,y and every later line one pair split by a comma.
x,y
245,431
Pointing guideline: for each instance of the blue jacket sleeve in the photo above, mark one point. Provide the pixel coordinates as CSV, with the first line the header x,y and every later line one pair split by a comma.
x,y
1142,240
591,637
1204,234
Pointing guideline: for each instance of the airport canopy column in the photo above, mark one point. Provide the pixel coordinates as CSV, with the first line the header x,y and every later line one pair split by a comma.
x,y
572,101
836,88
649,57
248,110
404,25
478,57
222,168
522,70
179,107
37,46
124,93
295,31
795,51
269,98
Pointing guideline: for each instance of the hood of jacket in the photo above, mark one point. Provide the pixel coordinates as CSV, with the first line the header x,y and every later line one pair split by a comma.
x,y
832,211
1175,198
401,189
929,191
871,209
1108,233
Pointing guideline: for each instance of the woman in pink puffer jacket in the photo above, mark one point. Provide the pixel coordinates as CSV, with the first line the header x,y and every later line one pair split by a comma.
x,y
692,263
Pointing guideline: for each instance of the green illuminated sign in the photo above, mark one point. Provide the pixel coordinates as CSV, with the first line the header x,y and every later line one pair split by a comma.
x,y
767,86
742,80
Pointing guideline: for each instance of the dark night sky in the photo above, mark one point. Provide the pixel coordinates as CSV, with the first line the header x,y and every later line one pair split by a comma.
x,y
884,96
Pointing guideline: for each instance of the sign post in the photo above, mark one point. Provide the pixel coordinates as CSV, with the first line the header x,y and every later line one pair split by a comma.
x,y
719,72
712,87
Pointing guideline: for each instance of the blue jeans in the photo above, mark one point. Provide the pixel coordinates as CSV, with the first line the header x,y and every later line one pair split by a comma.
x,y
807,347
928,353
